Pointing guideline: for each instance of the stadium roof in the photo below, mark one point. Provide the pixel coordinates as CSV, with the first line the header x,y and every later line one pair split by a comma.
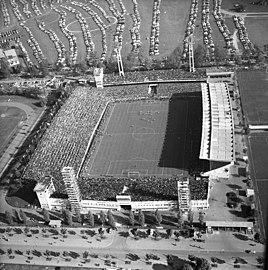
x,y
217,133
234,224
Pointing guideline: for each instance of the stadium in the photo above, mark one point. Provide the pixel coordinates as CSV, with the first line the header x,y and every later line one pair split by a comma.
x,y
142,146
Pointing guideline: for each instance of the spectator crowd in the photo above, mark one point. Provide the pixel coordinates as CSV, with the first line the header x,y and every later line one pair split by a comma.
x,y
145,188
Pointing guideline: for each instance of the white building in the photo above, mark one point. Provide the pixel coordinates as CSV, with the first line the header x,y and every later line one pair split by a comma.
x,y
43,191
98,76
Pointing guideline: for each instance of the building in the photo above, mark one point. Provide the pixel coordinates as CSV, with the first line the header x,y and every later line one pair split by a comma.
x,y
43,191
71,185
229,225
12,57
98,76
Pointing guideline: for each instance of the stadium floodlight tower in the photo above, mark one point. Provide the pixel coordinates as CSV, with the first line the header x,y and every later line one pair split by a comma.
x,y
184,194
191,53
71,185
117,50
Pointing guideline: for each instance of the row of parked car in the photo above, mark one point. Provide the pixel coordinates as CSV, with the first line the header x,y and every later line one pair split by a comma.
x,y
6,16
223,27
190,27
154,38
57,42
37,52
96,18
85,30
243,35
69,35
16,11
135,31
25,9
207,37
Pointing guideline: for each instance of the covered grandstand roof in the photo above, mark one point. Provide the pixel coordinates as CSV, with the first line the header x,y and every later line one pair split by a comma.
x,y
234,224
217,132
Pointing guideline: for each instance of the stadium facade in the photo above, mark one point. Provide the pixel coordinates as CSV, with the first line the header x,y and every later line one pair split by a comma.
x,y
217,147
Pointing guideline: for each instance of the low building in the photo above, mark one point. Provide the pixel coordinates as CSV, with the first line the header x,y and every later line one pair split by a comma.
x,y
12,57
229,225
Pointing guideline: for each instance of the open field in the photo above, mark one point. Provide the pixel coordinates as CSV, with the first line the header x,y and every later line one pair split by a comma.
x,y
253,90
10,118
172,26
149,138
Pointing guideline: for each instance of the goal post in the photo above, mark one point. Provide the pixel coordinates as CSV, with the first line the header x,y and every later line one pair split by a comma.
x,y
133,174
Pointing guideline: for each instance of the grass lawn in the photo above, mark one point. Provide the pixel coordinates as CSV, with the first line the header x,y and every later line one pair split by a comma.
x,y
259,173
253,90
10,118
257,28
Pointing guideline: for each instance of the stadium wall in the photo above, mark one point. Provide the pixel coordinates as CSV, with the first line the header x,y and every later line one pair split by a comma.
x,y
136,205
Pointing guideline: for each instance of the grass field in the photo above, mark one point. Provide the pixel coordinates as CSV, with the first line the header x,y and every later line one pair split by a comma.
x,y
258,146
253,87
10,118
149,138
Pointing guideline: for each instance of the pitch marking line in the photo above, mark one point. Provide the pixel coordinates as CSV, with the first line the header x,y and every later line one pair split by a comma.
x,y
113,163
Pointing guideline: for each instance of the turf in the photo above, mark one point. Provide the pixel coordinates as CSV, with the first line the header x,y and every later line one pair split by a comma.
x,y
10,118
150,138
253,87
259,172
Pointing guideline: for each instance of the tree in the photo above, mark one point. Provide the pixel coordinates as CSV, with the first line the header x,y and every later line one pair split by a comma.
x,y
180,218
67,216
23,216
141,218
43,67
46,216
156,234
169,232
9,218
102,217
190,217
85,254
47,253
220,54
174,59
201,218
111,220
90,218
186,266
9,251
202,264
158,217
131,218
4,68
199,55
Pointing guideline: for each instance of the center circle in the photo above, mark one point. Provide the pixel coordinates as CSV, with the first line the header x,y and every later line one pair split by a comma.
x,y
143,133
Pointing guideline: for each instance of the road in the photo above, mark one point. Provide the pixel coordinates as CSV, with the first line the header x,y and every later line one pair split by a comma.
x,y
116,244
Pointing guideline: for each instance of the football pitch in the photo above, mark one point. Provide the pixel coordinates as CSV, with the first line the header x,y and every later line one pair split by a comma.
x,y
156,137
